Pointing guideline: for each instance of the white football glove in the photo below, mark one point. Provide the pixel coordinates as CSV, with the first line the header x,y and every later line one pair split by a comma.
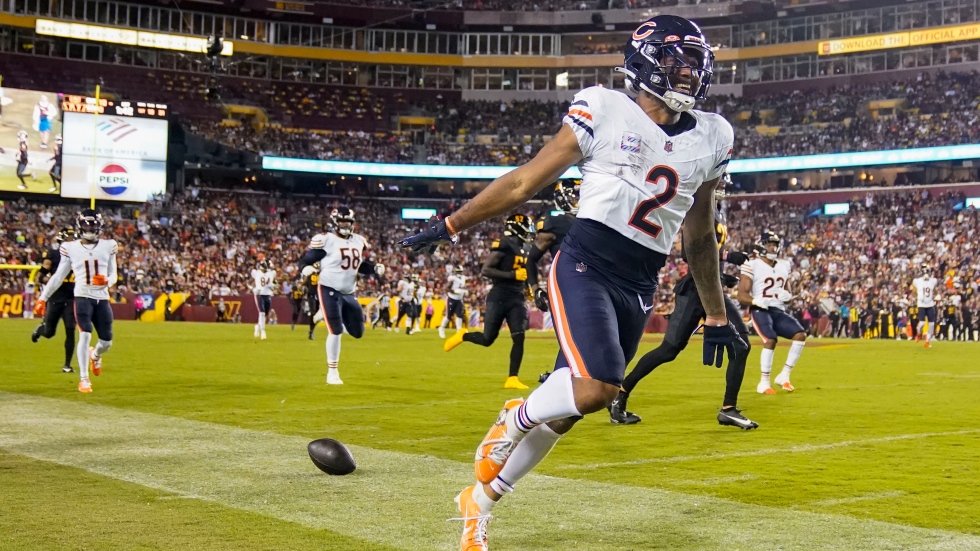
x,y
759,303
784,296
379,269
308,270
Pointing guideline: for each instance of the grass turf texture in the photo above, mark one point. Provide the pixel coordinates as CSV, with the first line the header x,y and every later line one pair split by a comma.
x,y
878,432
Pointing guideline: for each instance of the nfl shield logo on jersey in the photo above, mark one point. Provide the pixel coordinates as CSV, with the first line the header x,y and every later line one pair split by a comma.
x,y
631,142
668,146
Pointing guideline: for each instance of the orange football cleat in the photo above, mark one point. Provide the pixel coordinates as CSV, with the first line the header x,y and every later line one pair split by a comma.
x,y
474,522
85,386
496,447
96,361
928,344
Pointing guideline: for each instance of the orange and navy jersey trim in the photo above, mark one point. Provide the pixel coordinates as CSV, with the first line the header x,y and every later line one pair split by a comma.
x,y
571,351
580,115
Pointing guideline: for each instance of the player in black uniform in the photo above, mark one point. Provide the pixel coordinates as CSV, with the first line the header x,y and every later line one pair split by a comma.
x,y
55,171
296,301
684,321
551,231
22,161
507,268
60,306
312,300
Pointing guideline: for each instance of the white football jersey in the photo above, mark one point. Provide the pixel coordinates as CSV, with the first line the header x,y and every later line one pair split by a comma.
x,y
420,293
338,270
768,281
925,291
263,282
86,260
457,287
406,290
636,179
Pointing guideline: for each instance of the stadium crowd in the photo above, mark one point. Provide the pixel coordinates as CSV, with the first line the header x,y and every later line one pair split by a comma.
x,y
205,243
929,110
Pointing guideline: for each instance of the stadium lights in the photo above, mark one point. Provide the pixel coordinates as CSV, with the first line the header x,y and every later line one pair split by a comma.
x,y
129,37
737,166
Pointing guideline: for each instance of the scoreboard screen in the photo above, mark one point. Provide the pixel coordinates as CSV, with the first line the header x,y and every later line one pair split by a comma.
x,y
103,106
115,150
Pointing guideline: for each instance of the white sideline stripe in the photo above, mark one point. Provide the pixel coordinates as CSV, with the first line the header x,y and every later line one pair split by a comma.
x,y
857,499
805,448
403,500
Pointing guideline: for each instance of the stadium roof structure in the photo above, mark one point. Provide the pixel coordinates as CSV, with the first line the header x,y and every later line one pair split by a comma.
x,y
737,166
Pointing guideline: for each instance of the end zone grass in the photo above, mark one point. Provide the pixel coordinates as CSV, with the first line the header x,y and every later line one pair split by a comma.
x,y
878,432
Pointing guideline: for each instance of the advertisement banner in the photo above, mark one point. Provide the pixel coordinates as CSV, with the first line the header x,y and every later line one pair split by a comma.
x,y
129,156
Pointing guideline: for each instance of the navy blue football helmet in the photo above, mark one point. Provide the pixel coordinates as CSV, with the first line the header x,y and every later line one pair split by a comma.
x,y
669,57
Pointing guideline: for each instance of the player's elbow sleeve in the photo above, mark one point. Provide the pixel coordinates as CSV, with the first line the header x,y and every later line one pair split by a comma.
x,y
312,256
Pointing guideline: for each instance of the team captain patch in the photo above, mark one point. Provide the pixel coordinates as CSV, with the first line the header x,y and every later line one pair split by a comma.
x,y
631,142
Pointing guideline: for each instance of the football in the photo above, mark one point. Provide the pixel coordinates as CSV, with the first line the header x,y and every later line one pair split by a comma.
x,y
331,457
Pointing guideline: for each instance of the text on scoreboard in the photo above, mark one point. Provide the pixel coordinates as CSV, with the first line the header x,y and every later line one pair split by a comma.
x,y
104,106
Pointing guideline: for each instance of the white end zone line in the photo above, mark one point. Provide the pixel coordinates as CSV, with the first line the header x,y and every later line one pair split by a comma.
x,y
403,500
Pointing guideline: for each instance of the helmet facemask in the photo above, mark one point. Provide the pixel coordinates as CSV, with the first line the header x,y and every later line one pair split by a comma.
x,y
679,73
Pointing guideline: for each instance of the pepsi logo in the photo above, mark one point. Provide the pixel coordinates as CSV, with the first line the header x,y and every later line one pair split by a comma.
x,y
113,180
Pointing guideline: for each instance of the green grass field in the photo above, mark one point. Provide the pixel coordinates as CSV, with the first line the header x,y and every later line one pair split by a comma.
x,y
195,439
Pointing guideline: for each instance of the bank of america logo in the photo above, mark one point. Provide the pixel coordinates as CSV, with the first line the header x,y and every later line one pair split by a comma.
x,y
116,129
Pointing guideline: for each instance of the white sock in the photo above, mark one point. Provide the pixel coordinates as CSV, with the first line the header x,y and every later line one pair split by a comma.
x,y
918,328
528,453
928,333
482,500
261,321
459,324
333,350
445,322
553,400
84,339
766,360
794,354
102,347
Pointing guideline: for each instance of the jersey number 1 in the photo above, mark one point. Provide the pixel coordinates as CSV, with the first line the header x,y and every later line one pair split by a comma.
x,y
639,218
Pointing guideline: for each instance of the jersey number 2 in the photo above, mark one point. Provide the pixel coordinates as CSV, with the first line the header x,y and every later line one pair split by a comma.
x,y
639,218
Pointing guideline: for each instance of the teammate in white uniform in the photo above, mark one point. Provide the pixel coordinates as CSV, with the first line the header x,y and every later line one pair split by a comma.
x,y
648,165
925,298
406,301
454,301
263,282
341,258
417,301
93,261
762,288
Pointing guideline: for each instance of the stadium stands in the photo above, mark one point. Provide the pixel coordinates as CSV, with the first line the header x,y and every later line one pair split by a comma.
x,y
206,241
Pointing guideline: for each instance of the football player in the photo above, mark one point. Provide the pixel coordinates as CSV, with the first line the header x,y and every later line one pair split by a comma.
x,y
925,301
60,307
93,262
264,278
507,269
340,255
684,321
454,301
649,164
406,301
762,289
55,171
551,232
23,159
417,301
